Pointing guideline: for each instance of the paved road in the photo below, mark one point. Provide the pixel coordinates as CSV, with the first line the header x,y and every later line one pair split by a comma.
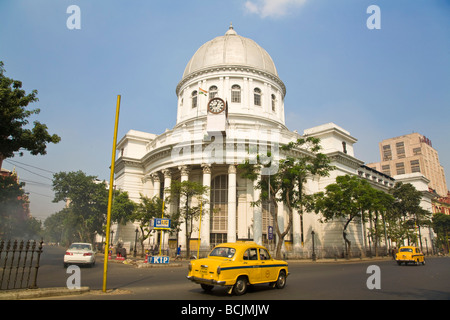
x,y
317,281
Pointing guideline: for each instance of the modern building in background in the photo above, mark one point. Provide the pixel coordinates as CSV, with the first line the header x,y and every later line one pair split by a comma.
x,y
412,153
230,106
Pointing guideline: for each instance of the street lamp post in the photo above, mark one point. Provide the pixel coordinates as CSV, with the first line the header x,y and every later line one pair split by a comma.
x,y
135,242
313,249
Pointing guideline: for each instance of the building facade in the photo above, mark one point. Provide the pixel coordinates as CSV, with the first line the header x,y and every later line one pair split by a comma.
x,y
230,107
409,154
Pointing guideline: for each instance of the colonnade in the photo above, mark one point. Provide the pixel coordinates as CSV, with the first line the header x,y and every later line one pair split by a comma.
x,y
232,232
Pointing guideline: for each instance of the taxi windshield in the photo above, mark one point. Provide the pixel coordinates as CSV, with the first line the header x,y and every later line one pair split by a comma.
x,y
406,250
223,252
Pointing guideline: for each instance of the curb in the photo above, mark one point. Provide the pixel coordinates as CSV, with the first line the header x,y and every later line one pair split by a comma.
x,y
23,294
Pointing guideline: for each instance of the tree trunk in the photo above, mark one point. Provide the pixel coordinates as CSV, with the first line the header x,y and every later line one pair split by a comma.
x,y
347,242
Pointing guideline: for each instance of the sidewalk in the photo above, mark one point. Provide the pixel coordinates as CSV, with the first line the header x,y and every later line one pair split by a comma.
x,y
23,294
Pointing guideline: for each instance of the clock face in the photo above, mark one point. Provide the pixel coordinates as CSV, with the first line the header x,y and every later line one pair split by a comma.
x,y
216,105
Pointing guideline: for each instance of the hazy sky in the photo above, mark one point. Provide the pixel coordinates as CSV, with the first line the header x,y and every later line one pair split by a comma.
x,y
375,83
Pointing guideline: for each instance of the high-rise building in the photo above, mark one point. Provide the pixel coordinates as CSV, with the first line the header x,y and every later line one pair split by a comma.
x,y
409,154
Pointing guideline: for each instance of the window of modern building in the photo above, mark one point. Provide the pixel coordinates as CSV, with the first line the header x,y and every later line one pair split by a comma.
x,y
236,93
400,149
257,97
400,167
417,151
415,166
194,99
387,153
386,169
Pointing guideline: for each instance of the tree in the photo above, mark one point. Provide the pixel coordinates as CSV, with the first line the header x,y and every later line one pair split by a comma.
x,y
441,226
147,209
408,213
302,160
381,202
87,202
184,192
346,199
123,209
13,205
14,135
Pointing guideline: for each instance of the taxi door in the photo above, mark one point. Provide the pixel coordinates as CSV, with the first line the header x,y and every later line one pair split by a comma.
x,y
251,264
267,272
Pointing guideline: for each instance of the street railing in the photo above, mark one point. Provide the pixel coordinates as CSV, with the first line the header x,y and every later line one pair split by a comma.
x,y
19,264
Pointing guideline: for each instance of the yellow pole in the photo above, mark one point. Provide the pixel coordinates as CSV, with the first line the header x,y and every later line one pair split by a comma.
x,y
111,187
199,232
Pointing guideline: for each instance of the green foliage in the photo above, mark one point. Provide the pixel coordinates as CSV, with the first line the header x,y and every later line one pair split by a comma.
x,y
407,216
441,226
395,215
302,160
13,206
147,209
14,134
87,205
185,191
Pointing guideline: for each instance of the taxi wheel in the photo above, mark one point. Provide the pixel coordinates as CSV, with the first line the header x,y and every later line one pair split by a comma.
x,y
281,281
240,287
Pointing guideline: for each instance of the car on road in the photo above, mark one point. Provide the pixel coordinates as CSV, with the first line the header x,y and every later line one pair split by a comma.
x,y
79,253
236,266
409,254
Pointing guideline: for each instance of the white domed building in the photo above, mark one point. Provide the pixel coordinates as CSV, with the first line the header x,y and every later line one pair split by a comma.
x,y
230,106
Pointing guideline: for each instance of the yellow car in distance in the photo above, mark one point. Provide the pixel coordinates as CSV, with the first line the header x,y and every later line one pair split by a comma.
x,y
236,266
409,254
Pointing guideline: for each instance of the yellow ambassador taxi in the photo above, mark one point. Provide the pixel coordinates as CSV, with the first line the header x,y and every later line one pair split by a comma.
x,y
409,254
238,265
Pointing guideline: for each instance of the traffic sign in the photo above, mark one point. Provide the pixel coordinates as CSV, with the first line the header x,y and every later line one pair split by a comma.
x,y
159,259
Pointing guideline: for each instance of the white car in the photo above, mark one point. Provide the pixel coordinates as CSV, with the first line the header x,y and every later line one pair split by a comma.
x,y
80,253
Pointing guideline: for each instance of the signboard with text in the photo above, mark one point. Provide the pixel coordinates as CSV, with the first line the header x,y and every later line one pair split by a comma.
x,y
161,224
159,259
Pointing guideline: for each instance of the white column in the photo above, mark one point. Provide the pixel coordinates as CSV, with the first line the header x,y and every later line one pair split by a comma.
x,y
205,223
182,234
167,181
280,218
231,234
257,216
155,192
297,232
156,184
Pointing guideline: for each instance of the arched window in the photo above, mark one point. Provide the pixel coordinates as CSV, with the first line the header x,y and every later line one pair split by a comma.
x,y
236,93
274,102
257,96
212,92
194,99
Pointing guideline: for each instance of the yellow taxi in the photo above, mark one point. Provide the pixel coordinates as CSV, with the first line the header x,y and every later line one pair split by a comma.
x,y
236,266
409,254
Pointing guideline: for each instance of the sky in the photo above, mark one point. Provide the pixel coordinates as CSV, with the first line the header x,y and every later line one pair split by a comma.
x,y
376,83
